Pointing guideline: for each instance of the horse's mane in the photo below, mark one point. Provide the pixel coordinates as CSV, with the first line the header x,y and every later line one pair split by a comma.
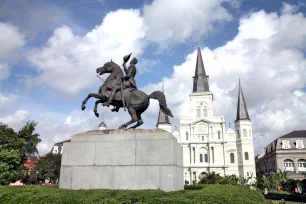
x,y
114,65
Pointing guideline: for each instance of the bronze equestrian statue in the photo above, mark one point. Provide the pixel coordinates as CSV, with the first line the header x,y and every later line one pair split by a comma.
x,y
121,91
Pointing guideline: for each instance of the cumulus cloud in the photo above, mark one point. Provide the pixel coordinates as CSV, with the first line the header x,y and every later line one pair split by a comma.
x,y
265,53
269,59
7,101
16,119
67,59
170,22
10,40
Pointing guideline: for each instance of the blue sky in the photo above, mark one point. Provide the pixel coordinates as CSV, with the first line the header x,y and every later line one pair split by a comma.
x,y
52,48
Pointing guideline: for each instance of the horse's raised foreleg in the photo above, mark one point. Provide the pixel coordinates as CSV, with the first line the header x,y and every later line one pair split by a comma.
x,y
96,107
96,95
139,122
134,117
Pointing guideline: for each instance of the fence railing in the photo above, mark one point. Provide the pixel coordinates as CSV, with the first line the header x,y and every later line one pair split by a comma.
x,y
299,198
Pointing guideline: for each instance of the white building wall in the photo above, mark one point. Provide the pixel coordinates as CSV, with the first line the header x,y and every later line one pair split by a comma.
x,y
245,144
202,131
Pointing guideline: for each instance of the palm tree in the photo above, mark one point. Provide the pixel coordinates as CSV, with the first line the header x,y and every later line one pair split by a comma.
x,y
266,181
281,179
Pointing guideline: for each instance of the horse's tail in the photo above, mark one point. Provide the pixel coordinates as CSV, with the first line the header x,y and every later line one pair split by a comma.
x,y
160,96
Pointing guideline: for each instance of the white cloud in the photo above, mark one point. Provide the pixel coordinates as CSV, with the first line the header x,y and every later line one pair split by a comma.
x,y
6,102
68,62
172,21
269,58
10,40
266,54
16,119
53,130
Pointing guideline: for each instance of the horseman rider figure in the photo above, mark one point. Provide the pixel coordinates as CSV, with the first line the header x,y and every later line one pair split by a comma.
x,y
128,81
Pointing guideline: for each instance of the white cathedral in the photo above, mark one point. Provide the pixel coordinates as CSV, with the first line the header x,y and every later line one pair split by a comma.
x,y
208,146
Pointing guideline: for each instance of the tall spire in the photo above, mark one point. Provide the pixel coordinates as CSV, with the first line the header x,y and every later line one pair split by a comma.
x,y
162,117
200,80
242,111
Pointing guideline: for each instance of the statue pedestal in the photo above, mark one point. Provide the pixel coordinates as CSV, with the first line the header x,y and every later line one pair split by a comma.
x,y
123,159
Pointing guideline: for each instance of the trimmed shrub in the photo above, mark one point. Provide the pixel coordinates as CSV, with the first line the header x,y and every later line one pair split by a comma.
x,y
209,194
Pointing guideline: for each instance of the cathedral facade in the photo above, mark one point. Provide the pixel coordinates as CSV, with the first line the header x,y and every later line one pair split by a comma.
x,y
208,146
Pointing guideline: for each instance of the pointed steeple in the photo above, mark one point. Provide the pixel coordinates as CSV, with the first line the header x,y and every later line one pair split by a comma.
x,y
242,111
162,117
200,80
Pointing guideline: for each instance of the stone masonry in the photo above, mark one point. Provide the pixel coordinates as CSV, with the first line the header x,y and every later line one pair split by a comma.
x,y
123,159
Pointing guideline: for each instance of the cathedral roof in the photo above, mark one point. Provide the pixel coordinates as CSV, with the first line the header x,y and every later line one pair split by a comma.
x,y
102,124
200,80
230,130
242,111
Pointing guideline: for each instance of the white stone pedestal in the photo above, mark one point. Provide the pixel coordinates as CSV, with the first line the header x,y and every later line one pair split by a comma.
x,y
123,159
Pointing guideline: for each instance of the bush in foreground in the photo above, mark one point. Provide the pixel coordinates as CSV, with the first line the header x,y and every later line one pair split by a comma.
x,y
210,194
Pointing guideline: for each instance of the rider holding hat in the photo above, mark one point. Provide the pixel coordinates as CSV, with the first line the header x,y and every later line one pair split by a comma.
x,y
128,80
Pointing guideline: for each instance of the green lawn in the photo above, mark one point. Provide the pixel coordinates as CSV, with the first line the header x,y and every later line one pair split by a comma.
x,y
213,194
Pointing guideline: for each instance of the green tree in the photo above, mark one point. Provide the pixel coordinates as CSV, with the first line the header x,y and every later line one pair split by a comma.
x,y
266,182
9,162
48,167
28,140
8,137
15,147
281,178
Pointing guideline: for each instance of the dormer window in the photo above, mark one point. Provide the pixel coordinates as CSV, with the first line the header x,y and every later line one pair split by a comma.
x,y
285,144
299,144
55,150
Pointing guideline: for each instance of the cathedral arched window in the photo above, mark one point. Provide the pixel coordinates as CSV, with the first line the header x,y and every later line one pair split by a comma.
x,y
186,135
246,156
232,158
198,112
201,158
206,158
244,133
204,111
219,135
201,110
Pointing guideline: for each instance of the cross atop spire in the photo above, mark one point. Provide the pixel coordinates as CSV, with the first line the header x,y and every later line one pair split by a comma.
x,y
162,117
242,111
200,80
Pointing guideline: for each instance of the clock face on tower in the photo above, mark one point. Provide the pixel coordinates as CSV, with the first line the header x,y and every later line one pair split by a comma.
x,y
202,127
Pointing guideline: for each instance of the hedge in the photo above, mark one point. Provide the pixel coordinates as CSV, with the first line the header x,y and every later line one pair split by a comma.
x,y
209,194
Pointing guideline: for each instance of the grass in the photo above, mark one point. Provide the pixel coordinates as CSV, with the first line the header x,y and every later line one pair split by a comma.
x,y
207,194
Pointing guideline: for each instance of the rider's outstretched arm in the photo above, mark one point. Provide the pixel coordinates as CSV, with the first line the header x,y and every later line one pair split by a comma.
x,y
125,69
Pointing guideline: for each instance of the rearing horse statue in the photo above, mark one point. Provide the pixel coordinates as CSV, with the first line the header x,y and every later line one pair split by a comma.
x,y
136,101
